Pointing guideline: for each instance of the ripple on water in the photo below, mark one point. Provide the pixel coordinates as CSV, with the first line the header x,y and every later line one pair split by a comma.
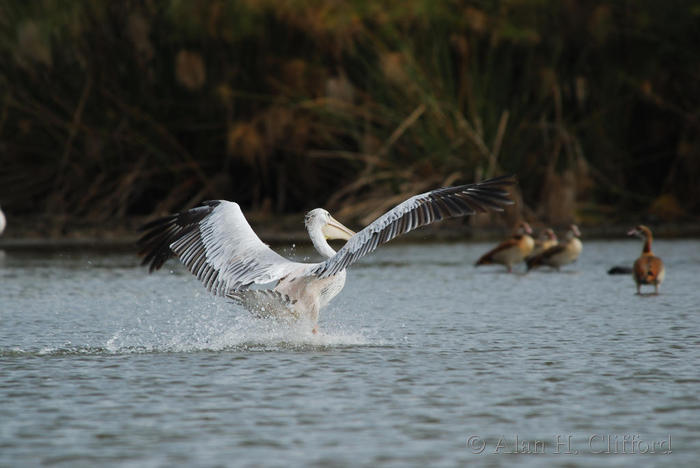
x,y
107,365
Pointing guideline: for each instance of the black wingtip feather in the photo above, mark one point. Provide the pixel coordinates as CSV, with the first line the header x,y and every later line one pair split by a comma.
x,y
508,179
159,234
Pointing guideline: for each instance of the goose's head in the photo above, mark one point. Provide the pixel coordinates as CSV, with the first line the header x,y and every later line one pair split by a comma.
x,y
573,232
640,231
524,228
548,234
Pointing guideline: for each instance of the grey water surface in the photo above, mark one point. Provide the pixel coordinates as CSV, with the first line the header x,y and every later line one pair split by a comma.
x,y
423,360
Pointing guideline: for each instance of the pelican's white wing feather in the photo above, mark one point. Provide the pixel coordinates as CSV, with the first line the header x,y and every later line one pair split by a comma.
x,y
418,211
216,243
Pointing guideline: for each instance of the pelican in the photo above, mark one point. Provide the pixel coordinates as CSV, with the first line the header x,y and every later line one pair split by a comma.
x,y
560,254
3,222
648,268
216,243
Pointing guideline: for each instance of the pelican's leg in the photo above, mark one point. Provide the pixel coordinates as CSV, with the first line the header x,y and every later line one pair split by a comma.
x,y
314,317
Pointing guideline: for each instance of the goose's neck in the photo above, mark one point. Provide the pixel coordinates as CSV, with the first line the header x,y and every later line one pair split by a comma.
x,y
647,243
320,243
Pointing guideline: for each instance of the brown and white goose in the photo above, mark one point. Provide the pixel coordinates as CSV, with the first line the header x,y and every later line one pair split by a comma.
x,y
560,254
545,240
510,251
648,268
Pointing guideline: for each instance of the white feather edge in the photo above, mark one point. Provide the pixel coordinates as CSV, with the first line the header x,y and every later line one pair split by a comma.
x,y
233,250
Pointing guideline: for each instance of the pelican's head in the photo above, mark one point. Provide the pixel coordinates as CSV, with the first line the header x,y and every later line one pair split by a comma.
x,y
320,220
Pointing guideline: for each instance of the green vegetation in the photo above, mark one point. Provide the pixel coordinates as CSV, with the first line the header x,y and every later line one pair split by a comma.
x,y
116,109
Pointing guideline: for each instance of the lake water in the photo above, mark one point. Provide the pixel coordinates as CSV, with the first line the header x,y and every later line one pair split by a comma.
x,y
423,360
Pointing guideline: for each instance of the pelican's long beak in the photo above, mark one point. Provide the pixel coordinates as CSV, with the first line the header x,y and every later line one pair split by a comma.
x,y
335,230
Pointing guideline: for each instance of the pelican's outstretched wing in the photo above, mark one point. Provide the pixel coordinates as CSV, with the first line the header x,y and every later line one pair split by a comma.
x,y
418,211
216,243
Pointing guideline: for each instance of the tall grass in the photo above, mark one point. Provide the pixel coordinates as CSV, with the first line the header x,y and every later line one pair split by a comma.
x,y
112,109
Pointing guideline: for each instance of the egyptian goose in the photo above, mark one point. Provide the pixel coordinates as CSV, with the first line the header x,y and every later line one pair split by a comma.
x,y
648,269
561,254
545,240
511,251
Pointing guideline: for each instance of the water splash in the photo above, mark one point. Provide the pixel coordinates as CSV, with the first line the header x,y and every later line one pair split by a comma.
x,y
244,333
